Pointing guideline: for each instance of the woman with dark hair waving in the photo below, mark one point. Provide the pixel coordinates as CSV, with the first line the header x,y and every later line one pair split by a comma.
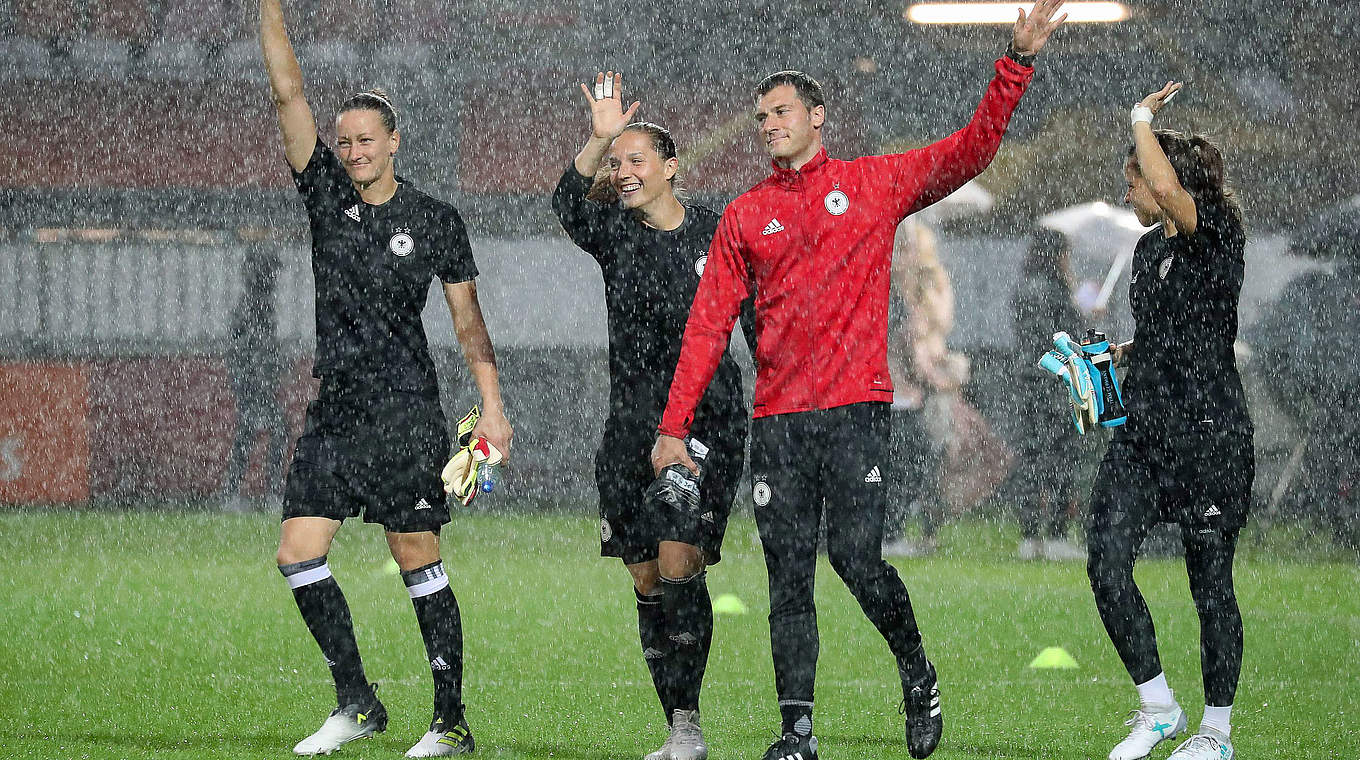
x,y
376,438
1185,454
651,248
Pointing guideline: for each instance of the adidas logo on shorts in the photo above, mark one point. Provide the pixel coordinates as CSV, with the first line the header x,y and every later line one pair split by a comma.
x,y
1212,511
874,476
422,504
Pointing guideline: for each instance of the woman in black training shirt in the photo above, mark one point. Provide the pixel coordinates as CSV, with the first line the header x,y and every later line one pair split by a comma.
x,y
1185,454
651,249
376,438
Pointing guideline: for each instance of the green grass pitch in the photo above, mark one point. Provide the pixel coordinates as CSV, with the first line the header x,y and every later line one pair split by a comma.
x,y
171,635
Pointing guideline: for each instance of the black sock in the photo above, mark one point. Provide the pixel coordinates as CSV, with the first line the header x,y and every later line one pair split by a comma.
x,y
655,647
914,667
796,718
689,627
326,614
442,628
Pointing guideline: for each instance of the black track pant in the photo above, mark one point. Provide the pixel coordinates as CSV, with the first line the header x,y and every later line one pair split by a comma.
x,y
801,463
1201,481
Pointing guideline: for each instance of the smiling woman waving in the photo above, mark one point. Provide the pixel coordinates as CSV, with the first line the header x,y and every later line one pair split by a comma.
x,y
651,249
375,438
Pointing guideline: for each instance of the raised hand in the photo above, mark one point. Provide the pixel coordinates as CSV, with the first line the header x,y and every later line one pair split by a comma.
x,y
1032,30
1156,100
607,117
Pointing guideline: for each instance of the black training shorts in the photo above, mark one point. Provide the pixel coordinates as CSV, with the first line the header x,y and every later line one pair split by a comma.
x,y
1198,479
378,455
631,528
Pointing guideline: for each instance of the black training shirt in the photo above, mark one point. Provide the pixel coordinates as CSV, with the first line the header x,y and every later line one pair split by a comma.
x,y
650,276
373,266
1183,291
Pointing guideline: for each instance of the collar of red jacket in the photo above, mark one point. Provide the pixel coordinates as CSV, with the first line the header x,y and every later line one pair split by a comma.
x,y
790,176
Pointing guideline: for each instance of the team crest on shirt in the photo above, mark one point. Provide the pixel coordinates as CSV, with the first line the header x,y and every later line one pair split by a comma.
x,y
699,264
761,493
1164,268
836,202
401,243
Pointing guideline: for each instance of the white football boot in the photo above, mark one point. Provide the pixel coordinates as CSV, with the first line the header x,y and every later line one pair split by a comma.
x,y
443,740
687,740
1149,727
344,725
1208,744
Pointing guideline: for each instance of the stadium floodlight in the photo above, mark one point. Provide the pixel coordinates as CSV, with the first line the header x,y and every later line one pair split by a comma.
x,y
1004,13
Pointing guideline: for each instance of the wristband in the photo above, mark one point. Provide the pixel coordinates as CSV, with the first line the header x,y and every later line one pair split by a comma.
x,y
1141,113
1020,58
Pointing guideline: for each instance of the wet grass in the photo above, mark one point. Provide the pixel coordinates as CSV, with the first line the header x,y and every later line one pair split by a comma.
x,y
167,634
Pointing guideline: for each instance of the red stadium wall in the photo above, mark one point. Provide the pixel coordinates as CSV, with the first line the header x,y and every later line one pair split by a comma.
x,y
135,428
222,134
44,433
521,139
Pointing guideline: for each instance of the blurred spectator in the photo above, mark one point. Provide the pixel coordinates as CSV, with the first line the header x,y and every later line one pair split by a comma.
x,y
938,438
253,365
915,452
1048,448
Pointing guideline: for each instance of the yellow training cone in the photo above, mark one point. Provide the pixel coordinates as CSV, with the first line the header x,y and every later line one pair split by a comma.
x,y
729,604
1054,657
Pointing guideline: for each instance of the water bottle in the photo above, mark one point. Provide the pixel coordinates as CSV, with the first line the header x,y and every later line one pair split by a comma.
x,y
486,478
1095,349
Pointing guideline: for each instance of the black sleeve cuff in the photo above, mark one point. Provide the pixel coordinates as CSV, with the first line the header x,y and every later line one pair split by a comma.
x,y
1024,60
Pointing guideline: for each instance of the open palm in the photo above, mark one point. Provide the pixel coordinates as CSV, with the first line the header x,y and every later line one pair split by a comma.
x,y
607,117
1033,29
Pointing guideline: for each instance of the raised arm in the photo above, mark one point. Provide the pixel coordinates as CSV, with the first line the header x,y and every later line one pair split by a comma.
x,y
285,80
473,338
607,120
1157,171
582,218
928,174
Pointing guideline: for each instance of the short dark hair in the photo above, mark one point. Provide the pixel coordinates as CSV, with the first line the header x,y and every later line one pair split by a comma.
x,y
809,89
374,99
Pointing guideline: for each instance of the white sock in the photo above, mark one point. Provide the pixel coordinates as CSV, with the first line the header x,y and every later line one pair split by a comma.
x,y
1156,693
1216,718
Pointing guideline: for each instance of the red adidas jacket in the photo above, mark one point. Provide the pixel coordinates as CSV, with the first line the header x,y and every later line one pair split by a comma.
x,y
816,245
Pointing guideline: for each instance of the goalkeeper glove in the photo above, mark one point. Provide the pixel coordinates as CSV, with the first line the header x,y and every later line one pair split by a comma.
x,y
1068,364
676,486
472,464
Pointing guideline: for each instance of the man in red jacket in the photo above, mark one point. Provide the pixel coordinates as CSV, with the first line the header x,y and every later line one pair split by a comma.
x,y
814,243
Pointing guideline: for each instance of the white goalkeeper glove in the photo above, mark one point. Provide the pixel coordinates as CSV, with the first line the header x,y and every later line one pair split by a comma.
x,y
475,456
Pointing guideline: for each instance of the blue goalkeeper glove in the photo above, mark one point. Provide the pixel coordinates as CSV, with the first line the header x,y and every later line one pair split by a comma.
x,y
1067,363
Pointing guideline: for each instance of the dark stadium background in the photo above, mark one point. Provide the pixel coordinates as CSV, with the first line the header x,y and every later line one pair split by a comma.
x,y
142,158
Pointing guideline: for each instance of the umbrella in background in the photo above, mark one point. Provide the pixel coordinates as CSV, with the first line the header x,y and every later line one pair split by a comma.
x,y
1100,232
970,199
1331,234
